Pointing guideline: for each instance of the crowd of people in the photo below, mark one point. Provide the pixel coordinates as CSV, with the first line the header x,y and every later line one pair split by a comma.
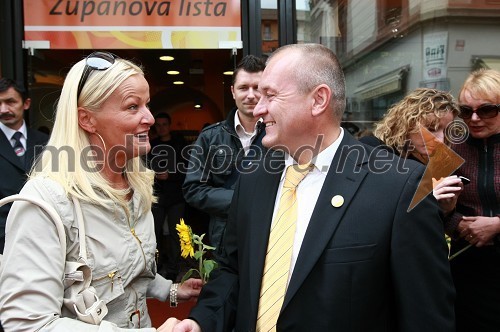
x,y
304,238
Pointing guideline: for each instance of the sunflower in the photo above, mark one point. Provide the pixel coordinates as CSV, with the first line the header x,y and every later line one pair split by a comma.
x,y
186,239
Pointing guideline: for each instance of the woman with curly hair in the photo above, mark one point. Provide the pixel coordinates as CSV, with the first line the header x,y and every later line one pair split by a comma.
x,y
399,130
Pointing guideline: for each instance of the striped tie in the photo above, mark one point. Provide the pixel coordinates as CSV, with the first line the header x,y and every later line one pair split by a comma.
x,y
279,251
18,146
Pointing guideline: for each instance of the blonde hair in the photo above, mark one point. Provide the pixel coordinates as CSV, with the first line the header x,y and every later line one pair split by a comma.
x,y
71,143
404,117
483,84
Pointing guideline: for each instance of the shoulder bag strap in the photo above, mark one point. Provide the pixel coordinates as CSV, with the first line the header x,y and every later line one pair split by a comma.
x,y
81,229
47,208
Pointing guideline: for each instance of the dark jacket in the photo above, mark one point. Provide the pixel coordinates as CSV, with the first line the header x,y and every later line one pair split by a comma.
x,y
378,143
14,173
166,156
476,270
215,162
368,265
482,196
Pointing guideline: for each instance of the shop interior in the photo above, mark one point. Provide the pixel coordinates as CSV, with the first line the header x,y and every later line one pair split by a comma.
x,y
193,86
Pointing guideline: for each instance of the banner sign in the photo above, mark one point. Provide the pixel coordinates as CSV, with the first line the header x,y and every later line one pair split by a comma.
x,y
435,54
115,24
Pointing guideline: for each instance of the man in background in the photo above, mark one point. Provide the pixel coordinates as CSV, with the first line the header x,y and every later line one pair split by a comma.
x,y
19,145
223,150
165,158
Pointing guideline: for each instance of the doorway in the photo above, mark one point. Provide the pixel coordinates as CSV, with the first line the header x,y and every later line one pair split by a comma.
x,y
190,85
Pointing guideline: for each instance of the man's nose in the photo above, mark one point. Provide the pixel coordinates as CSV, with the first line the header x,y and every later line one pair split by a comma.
x,y
253,93
259,109
3,108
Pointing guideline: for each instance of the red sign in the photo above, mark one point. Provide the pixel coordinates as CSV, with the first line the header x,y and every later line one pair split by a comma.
x,y
132,23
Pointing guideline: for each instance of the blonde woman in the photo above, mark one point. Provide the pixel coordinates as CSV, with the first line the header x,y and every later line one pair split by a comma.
x,y
475,223
100,130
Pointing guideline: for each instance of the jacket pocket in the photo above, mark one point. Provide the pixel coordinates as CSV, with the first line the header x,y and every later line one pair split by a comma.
x,y
217,229
349,254
108,284
222,161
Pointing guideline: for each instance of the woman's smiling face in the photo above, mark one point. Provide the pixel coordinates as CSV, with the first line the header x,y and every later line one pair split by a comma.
x,y
123,120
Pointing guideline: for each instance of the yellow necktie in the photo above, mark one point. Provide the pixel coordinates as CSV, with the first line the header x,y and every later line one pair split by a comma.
x,y
279,251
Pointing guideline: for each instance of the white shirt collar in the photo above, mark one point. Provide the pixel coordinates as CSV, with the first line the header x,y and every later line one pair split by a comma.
x,y
8,132
238,127
323,160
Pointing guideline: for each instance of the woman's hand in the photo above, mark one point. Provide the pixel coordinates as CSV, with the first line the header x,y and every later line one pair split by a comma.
x,y
187,325
189,290
169,325
173,324
479,230
446,191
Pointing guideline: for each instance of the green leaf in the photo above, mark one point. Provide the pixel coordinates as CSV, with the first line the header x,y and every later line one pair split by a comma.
x,y
198,254
208,247
208,266
188,274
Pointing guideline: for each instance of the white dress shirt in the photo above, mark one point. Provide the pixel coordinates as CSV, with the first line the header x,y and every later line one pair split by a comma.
x,y
9,132
246,138
307,193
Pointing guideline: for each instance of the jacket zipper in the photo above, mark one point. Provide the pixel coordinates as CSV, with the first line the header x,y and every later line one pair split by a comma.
x,y
111,276
132,231
484,174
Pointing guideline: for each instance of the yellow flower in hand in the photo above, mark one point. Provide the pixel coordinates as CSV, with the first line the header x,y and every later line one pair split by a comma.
x,y
185,237
188,241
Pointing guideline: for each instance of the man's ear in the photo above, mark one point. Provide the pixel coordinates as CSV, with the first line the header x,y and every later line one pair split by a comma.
x,y
232,92
86,120
321,99
27,104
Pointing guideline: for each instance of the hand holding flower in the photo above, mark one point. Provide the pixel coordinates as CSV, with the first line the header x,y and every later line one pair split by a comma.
x,y
189,290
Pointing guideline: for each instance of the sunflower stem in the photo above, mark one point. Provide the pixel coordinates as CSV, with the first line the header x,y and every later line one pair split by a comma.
x,y
200,262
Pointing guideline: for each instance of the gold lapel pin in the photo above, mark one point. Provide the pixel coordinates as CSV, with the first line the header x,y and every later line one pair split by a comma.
x,y
337,201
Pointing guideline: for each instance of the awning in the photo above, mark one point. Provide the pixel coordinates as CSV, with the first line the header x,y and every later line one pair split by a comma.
x,y
382,85
490,63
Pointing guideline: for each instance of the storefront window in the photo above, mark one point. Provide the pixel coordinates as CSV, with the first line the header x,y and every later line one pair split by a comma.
x,y
390,47
270,23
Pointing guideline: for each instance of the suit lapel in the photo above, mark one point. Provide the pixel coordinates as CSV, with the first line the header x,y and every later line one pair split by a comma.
x,y
344,178
7,152
33,148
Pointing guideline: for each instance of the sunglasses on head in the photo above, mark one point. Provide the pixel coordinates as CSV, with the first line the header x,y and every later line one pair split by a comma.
x,y
95,61
486,111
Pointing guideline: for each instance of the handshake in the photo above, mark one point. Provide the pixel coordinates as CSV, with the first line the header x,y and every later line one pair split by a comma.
x,y
174,325
187,291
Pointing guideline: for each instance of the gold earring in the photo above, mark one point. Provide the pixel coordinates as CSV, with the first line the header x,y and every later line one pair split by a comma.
x,y
102,141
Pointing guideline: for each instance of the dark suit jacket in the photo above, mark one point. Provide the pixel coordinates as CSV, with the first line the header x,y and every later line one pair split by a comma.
x,y
14,173
368,265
